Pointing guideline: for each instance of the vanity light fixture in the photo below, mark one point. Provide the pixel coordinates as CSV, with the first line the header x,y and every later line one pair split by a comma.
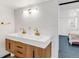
x,y
30,11
25,13
33,10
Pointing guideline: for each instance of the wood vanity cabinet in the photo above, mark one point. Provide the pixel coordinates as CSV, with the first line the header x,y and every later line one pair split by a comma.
x,y
22,50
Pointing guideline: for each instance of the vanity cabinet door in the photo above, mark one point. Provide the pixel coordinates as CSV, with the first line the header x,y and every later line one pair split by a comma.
x,y
10,45
29,51
42,53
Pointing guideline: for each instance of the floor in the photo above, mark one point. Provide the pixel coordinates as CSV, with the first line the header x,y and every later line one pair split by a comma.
x,y
66,50
8,56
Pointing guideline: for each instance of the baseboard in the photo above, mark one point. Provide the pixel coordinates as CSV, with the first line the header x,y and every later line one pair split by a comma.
x,y
5,56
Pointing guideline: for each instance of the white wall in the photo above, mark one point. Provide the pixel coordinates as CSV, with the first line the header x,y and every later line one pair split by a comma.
x,y
63,26
66,14
63,1
46,21
6,15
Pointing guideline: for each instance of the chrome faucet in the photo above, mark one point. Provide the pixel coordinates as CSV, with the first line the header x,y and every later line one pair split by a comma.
x,y
23,31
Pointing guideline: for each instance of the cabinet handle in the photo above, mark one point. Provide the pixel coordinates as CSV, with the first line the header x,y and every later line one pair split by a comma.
x,y
19,52
18,46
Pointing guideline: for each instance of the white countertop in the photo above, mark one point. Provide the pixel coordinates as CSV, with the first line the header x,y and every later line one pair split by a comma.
x,y
41,41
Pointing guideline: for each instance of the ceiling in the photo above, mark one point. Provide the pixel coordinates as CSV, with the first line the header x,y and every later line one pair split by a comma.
x,y
19,3
63,1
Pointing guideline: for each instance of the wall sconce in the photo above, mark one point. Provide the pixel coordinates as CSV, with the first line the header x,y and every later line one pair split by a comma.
x,y
30,11
25,13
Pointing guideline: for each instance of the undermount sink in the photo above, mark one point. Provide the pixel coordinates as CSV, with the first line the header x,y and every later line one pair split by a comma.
x,y
21,34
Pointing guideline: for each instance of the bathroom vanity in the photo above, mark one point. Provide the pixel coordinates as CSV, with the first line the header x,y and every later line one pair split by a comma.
x,y
29,46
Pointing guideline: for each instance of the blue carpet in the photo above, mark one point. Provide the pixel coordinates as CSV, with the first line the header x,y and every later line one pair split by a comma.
x,y
66,50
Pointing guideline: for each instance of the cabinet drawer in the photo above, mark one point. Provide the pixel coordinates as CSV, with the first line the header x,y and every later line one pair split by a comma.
x,y
19,53
20,46
20,49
